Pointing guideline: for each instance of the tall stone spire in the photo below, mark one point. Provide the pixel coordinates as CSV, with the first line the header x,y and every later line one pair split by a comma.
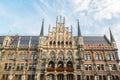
x,y
42,29
80,38
113,42
111,36
79,32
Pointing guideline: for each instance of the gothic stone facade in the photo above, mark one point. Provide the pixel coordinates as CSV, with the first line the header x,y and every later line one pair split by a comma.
x,y
58,56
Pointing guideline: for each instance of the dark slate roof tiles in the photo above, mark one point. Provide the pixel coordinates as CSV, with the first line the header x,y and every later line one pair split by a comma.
x,y
34,41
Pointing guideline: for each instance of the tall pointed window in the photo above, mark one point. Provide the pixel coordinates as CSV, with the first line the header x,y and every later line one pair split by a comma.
x,y
33,56
87,56
61,56
52,55
69,56
99,56
110,56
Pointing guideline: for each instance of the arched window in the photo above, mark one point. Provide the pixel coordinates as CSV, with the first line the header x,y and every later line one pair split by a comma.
x,y
51,64
58,43
61,56
50,42
54,42
87,56
99,56
69,64
66,42
110,56
62,43
60,64
70,43
69,56
52,55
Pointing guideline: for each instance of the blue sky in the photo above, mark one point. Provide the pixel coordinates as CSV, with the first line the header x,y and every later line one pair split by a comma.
x,y
25,16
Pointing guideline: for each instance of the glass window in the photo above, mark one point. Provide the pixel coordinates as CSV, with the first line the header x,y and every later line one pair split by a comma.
x,y
52,55
98,56
10,56
98,66
110,67
87,56
61,56
33,56
18,66
69,56
110,56
88,67
22,56
22,66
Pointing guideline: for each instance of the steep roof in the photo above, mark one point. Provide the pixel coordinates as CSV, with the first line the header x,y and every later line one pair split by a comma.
x,y
95,40
34,40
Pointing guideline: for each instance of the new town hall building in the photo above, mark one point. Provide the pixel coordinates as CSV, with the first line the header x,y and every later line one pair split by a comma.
x,y
59,56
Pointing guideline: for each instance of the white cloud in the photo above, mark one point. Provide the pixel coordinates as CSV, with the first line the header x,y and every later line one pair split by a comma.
x,y
100,9
109,9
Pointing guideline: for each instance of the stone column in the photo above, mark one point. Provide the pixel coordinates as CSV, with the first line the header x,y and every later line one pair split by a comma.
x,y
75,77
55,66
65,77
46,77
64,67
55,78
74,66
38,76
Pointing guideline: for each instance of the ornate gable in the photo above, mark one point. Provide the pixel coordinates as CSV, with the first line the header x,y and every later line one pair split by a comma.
x,y
60,36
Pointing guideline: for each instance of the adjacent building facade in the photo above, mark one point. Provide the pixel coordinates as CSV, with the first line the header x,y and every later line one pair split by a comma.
x,y
59,56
